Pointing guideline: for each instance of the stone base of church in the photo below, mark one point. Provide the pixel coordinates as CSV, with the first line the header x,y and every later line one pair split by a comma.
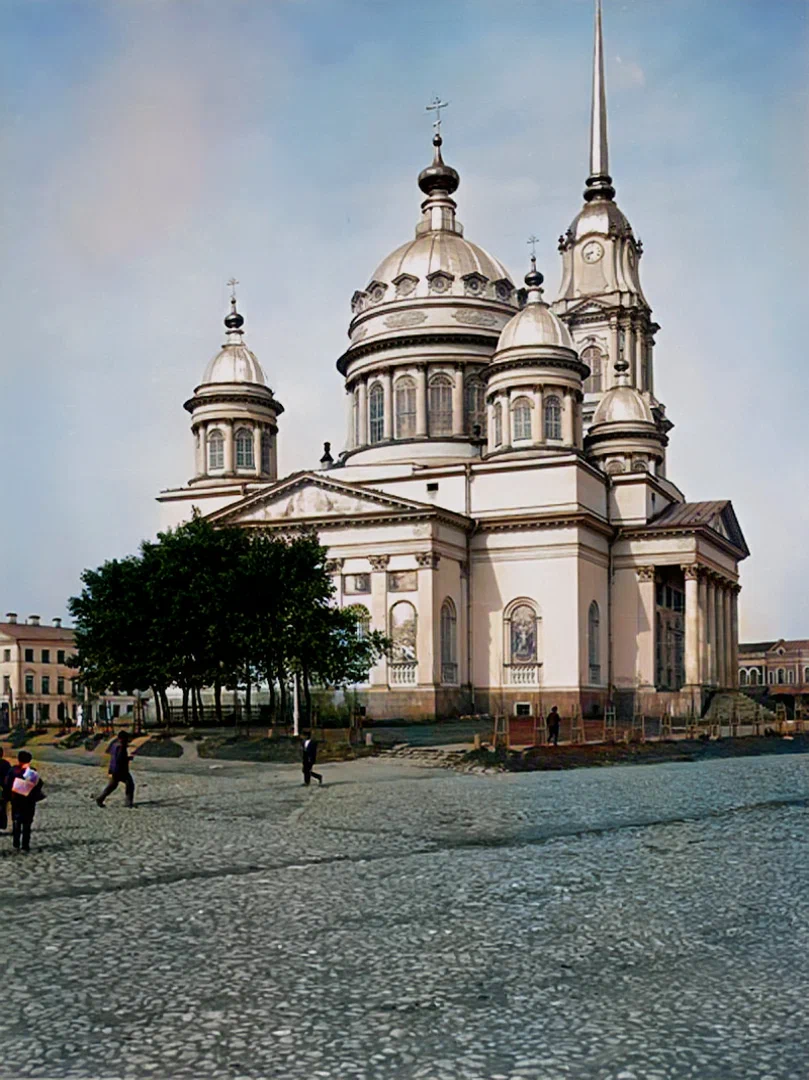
x,y
688,701
504,701
416,703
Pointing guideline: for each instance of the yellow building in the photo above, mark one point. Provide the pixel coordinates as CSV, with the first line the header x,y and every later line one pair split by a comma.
x,y
36,684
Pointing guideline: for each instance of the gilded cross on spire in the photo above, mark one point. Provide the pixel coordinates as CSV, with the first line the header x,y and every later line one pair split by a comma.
x,y
533,241
436,105
232,286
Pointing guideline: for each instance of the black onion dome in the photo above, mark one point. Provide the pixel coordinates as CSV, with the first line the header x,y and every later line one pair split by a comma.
x,y
438,176
533,279
234,321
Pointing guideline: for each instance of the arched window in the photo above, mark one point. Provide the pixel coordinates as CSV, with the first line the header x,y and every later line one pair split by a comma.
x,y
405,408
266,452
742,678
441,405
553,417
475,406
780,676
403,632
498,424
376,413
216,450
593,642
592,357
363,617
754,678
244,449
449,643
806,674
771,677
790,676
521,419
521,621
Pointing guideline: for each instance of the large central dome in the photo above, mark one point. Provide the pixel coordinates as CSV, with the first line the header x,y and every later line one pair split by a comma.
x,y
423,330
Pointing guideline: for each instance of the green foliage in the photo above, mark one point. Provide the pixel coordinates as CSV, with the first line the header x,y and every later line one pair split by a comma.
x,y
162,748
222,608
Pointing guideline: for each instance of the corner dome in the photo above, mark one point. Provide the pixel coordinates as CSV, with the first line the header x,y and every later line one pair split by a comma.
x,y
535,325
623,405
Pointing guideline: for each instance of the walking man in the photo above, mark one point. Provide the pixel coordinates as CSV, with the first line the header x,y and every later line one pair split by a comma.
x,y
309,758
119,770
554,720
24,789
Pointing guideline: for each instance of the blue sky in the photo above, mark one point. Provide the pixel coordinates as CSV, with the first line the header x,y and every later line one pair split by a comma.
x,y
154,148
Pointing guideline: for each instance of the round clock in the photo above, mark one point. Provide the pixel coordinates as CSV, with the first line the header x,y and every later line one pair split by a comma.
x,y
592,252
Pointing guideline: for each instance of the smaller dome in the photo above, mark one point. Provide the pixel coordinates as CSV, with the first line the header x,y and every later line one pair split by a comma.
x,y
623,405
535,325
234,364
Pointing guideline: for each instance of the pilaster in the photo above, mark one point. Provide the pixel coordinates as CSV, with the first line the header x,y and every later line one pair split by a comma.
x,y
363,413
645,636
387,400
538,418
692,620
421,400
428,628
457,402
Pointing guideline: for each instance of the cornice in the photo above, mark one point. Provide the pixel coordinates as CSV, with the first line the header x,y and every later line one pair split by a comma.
x,y
198,400
356,352
495,367
651,532
525,521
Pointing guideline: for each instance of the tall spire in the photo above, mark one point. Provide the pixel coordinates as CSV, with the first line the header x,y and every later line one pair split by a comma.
x,y
599,182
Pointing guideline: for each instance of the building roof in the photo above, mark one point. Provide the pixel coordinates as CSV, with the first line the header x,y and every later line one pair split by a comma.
x,y
798,646
26,632
717,515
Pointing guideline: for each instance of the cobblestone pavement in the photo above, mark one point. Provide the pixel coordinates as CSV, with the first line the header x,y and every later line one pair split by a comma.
x,y
619,923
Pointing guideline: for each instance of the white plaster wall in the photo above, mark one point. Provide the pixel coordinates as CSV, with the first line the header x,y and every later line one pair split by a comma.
x,y
593,571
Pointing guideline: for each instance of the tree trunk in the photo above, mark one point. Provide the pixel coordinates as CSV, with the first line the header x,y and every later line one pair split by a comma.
x,y
194,713
272,699
164,698
217,696
200,706
283,692
248,697
185,704
158,710
307,698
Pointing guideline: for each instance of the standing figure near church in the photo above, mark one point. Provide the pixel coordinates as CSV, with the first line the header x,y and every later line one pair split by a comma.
x,y
24,790
5,769
554,721
119,770
309,757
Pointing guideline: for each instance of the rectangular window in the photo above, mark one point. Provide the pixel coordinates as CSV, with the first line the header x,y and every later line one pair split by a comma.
x,y
44,712
29,656
441,406
116,711
60,685
7,656
29,713
522,708
60,656
46,656
405,408
402,581
6,685
356,583
29,684
46,684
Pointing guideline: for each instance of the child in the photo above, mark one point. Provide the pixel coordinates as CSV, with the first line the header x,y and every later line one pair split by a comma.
x,y
24,789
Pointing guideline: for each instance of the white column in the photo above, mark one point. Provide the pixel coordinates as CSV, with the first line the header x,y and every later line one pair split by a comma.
x,y
227,428
505,401
646,627
567,419
537,418
638,358
578,422
609,374
719,650
379,611
387,404
351,436
730,675
363,413
691,625
734,635
421,400
489,426
274,456
703,628
428,632
711,636
257,448
457,402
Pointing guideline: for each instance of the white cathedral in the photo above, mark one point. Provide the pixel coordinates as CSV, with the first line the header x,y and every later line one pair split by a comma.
x,y
502,509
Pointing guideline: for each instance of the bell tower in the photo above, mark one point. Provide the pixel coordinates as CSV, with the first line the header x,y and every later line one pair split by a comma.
x,y
600,296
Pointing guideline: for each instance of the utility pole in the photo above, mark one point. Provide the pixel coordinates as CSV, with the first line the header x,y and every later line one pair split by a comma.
x,y
296,713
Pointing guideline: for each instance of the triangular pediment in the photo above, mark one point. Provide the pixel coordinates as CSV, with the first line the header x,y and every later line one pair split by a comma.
x,y
588,307
309,497
727,525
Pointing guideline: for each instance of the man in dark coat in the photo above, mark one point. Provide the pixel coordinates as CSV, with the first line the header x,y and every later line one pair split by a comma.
x,y
309,756
5,769
554,720
24,789
119,770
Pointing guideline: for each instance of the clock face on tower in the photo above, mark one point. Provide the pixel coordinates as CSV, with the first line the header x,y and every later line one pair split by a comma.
x,y
592,251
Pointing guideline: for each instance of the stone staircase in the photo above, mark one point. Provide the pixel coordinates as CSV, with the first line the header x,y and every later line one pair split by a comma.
x,y
439,757
721,710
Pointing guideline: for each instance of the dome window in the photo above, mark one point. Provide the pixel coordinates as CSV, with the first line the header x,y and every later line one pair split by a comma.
x,y
503,289
244,449
405,397
376,413
475,406
498,424
553,418
216,450
359,302
593,358
522,419
376,292
440,405
474,283
405,285
440,281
